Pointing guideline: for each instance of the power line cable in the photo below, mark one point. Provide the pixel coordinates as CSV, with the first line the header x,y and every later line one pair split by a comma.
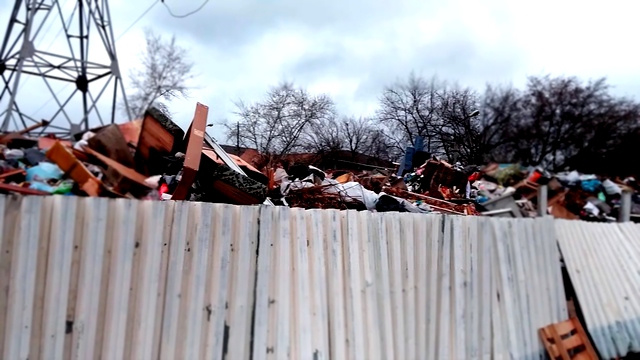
x,y
138,19
62,28
187,14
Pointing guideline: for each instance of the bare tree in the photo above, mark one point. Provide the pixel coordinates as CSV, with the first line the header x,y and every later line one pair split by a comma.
x,y
564,117
438,112
499,119
324,135
458,129
164,75
356,135
379,146
276,125
557,123
363,136
409,110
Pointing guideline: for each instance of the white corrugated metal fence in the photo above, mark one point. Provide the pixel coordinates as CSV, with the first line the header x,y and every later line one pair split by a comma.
x,y
603,261
89,278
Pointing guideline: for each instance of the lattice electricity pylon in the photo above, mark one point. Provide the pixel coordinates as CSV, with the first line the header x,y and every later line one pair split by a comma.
x,y
20,59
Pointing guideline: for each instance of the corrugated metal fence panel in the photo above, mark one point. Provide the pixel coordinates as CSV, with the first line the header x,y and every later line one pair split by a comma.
x,y
603,261
528,285
119,279
404,286
89,278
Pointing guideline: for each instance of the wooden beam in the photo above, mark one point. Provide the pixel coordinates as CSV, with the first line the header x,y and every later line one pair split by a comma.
x,y
195,141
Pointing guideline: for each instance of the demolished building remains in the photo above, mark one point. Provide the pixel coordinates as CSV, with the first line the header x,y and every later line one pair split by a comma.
x,y
152,158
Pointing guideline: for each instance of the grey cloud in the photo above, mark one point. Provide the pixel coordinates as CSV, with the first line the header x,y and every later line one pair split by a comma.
x,y
334,59
233,24
455,56
222,36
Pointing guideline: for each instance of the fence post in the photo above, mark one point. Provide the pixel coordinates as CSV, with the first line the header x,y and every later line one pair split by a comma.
x,y
542,200
625,207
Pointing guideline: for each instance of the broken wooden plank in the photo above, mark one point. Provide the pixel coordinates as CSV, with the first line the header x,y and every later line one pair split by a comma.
x,y
437,208
211,154
74,169
234,195
408,194
11,173
110,142
231,186
159,137
195,140
122,178
131,132
7,137
21,190
45,143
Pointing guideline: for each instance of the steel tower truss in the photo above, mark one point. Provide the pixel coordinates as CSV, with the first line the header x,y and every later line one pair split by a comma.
x,y
96,84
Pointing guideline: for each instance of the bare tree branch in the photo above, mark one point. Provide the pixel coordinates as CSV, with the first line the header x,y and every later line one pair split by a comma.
x,y
278,124
164,74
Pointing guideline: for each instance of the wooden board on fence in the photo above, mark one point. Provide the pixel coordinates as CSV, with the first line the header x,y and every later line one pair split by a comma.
x,y
567,340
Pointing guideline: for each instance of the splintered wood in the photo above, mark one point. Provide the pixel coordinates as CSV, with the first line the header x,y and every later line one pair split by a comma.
x,y
567,340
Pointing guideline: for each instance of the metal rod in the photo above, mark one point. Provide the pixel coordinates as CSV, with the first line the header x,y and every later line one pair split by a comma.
x,y
113,104
542,200
497,212
625,207
28,129
114,59
25,44
7,35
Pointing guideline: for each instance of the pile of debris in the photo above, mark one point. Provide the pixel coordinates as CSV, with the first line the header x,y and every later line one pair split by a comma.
x,y
571,195
153,158
380,190
149,158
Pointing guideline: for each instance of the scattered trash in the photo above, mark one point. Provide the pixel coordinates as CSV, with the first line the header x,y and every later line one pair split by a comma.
x,y
152,158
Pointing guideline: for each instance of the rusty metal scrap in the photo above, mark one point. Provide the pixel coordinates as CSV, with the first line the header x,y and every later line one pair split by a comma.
x,y
436,203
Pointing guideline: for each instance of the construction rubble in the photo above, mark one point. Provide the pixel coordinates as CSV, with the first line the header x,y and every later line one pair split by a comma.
x,y
154,159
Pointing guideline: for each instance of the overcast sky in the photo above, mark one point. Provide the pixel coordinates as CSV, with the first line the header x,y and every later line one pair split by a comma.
x,y
352,49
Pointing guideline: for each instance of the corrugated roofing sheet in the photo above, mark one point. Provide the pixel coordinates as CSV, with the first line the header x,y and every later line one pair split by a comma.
x,y
603,261
89,277
404,286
